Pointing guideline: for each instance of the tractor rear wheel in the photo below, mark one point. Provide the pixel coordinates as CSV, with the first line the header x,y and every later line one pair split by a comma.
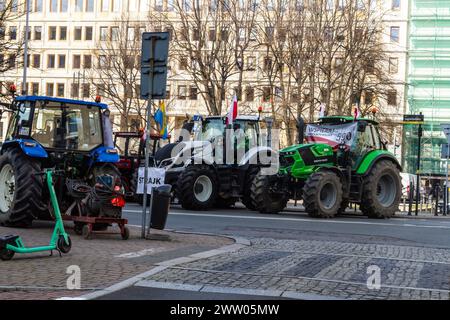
x,y
197,187
322,194
20,189
247,193
381,191
263,199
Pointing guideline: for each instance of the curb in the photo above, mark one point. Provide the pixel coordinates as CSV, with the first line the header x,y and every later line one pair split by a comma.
x,y
160,266
234,290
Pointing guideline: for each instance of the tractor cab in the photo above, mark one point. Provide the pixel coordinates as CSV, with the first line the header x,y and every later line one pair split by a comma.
x,y
73,136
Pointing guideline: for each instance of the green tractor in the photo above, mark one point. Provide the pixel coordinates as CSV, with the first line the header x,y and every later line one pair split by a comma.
x,y
344,161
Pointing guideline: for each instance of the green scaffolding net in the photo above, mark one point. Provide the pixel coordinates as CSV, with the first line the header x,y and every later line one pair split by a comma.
x,y
428,83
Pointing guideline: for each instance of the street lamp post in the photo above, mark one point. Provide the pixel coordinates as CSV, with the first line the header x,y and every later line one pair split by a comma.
x,y
25,48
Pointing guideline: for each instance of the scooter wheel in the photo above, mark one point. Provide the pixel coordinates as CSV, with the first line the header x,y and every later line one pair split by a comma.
x,y
6,254
63,246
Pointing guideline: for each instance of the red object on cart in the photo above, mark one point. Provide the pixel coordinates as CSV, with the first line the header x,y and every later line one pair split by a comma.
x,y
88,224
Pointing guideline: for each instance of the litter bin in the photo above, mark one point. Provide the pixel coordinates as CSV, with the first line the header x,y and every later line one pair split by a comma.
x,y
160,206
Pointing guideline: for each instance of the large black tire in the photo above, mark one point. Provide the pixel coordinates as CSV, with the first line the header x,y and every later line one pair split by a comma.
x,y
107,210
263,200
322,194
106,168
382,190
247,193
21,197
197,187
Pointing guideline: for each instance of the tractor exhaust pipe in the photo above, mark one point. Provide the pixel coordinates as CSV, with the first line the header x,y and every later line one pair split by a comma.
x,y
300,129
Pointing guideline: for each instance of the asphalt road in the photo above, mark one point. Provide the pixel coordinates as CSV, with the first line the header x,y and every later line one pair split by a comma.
x,y
293,224
296,225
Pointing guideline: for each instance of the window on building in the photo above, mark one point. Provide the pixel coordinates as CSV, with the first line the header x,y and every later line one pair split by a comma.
x,y
62,33
370,67
267,64
86,90
87,61
193,93
115,5
64,5
36,60
28,33
38,33
50,89
338,65
89,5
132,5
249,94
35,88
144,6
130,34
212,34
368,97
103,33
77,33
12,61
61,61
53,5
38,6
393,65
330,5
328,34
28,60
182,93
76,62
394,34
2,33
60,90
171,5
105,5
88,33
269,33
251,65
79,5
115,33
74,90
159,5
183,63
103,61
50,61
13,33
266,94
100,89
51,33
395,4
167,92
392,97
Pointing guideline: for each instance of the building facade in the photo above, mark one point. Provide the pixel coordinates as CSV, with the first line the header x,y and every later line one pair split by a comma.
x,y
64,33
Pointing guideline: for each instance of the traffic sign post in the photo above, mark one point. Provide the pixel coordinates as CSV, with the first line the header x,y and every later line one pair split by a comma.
x,y
154,55
416,119
446,128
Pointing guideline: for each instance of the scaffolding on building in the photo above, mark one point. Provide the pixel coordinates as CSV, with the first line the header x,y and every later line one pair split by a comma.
x,y
428,83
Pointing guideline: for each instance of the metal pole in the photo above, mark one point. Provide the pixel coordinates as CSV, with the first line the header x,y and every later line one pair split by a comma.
x,y
25,49
147,137
446,180
418,169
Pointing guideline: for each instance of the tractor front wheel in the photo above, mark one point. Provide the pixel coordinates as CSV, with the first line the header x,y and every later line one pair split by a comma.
x,y
20,189
197,187
263,198
322,194
381,191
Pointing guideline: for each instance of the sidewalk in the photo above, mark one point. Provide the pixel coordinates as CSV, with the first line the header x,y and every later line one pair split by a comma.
x,y
103,261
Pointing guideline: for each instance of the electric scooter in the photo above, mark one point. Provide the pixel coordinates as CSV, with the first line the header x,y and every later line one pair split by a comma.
x,y
60,240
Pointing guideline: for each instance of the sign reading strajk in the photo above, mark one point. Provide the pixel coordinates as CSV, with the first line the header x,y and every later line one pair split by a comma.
x,y
155,179
332,134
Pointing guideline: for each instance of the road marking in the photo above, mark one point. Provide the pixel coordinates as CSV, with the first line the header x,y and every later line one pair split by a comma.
x,y
136,254
406,225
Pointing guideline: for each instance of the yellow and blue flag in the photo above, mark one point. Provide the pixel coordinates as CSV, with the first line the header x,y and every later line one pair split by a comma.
x,y
161,120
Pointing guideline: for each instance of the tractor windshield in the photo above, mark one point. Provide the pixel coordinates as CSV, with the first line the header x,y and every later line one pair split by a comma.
x,y
210,129
67,126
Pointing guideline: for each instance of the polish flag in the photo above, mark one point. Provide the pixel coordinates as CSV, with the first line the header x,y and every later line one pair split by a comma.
x,y
356,112
232,114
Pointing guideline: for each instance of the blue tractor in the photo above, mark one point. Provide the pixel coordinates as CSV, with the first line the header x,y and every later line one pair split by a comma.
x,y
70,135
